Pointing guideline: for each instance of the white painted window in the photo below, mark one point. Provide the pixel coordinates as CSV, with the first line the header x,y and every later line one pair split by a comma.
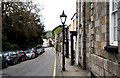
x,y
113,22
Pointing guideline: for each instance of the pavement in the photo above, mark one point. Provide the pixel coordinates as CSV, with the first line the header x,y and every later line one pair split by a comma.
x,y
70,70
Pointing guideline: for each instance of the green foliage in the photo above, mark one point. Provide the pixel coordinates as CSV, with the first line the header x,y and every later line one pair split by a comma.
x,y
59,29
21,25
7,46
49,34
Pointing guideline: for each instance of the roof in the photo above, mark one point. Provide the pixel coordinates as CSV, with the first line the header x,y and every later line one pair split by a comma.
x,y
73,16
56,28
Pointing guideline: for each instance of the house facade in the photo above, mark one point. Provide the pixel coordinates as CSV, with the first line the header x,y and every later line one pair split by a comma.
x,y
72,27
72,38
98,33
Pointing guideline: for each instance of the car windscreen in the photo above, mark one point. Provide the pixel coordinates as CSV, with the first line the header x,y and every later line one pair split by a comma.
x,y
12,53
5,54
40,48
27,52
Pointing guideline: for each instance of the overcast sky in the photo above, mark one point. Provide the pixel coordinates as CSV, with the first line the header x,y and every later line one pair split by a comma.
x,y
53,9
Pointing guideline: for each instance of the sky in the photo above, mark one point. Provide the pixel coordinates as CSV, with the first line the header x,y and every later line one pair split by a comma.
x,y
53,9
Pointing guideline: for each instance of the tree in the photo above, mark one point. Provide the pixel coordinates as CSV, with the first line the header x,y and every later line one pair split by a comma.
x,y
22,24
57,29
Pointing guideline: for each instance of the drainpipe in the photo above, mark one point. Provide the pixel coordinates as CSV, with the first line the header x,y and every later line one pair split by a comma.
x,y
84,39
77,38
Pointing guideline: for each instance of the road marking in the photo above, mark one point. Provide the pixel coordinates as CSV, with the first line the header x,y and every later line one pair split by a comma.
x,y
54,72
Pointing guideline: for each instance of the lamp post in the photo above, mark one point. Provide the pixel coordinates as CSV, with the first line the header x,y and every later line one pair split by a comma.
x,y
67,43
63,20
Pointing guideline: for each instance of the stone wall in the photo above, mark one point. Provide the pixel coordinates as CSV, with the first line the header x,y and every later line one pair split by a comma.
x,y
119,32
81,13
99,61
79,31
0,27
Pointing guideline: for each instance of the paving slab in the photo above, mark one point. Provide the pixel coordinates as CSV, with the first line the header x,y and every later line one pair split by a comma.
x,y
71,70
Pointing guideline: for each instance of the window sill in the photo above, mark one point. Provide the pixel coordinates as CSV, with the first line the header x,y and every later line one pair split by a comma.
x,y
110,48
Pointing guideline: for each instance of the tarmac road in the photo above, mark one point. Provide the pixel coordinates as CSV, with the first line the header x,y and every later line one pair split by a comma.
x,y
43,65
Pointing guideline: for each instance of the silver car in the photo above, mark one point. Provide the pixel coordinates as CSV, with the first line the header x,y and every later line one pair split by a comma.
x,y
30,54
11,57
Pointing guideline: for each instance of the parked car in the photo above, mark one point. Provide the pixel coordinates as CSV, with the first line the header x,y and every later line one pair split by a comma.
x,y
11,57
3,60
30,54
43,50
22,55
35,51
39,51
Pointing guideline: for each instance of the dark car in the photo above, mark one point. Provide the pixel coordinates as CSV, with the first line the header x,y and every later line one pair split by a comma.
x,y
22,55
39,50
43,50
11,57
35,51
3,60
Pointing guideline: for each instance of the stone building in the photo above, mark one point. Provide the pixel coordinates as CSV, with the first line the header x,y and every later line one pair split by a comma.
x,y
98,28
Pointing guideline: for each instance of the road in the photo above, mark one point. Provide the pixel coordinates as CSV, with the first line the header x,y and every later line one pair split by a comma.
x,y
43,65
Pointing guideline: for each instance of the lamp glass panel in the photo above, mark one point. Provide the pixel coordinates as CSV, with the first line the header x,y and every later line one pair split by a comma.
x,y
63,19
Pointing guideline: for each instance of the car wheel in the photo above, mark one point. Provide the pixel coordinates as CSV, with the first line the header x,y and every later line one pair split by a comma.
x,y
21,59
13,62
34,57
26,58
31,56
6,64
16,62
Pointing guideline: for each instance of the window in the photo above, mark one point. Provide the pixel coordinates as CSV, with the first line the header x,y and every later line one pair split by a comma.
x,y
113,22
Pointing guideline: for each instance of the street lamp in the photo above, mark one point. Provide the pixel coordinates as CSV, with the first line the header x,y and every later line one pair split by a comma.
x,y
66,41
63,17
63,20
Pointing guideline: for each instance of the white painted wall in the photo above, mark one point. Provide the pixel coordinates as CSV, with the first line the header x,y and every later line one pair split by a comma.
x,y
45,43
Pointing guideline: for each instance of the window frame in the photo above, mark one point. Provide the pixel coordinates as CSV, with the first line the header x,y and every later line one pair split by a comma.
x,y
111,16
